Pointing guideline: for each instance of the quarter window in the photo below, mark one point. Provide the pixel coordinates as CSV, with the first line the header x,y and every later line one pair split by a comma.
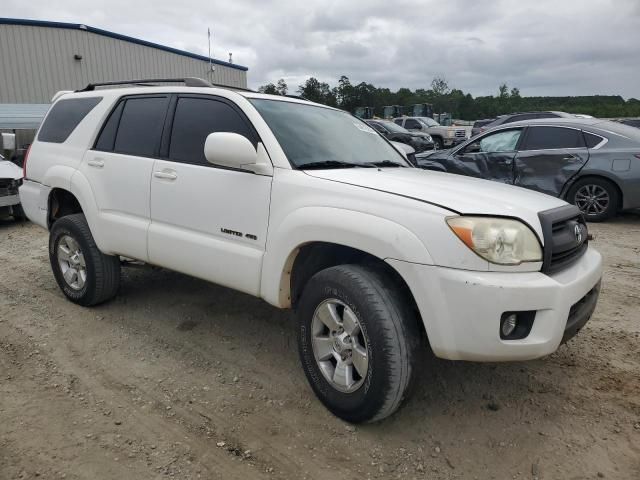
x,y
591,139
140,126
194,120
550,138
64,117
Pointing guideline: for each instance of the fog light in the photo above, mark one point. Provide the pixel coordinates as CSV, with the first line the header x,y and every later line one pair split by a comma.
x,y
509,324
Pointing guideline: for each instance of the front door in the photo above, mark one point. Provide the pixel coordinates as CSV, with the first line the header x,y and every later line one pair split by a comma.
x,y
549,157
489,157
208,221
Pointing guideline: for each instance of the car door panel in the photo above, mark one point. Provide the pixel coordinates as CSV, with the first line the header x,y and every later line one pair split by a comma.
x,y
496,166
209,222
548,171
550,156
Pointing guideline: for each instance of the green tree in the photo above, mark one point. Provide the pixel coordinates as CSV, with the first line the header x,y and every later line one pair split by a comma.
x,y
316,91
282,87
269,88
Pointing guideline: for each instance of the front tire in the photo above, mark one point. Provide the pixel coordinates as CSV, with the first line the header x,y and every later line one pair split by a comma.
x,y
84,274
597,198
358,340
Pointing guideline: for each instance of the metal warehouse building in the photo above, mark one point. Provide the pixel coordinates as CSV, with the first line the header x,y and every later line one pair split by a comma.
x,y
39,58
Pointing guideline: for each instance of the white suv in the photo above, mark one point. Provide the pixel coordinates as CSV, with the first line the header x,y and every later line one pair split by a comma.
x,y
308,208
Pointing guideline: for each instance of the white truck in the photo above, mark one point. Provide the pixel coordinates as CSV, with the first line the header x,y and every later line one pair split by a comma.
x,y
443,137
308,208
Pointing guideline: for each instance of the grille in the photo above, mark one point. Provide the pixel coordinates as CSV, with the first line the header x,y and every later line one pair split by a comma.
x,y
565,237
461,134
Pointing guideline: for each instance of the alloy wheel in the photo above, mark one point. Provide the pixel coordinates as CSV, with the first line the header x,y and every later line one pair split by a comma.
x,y
592,199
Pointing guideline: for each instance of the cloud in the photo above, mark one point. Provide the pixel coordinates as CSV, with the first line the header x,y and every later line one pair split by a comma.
x,y
544,47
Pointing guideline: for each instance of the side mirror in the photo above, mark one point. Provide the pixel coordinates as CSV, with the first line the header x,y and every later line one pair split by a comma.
x,y
471,148
235,151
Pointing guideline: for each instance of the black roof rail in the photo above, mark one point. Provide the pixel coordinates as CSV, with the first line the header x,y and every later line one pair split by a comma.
x,y
148,82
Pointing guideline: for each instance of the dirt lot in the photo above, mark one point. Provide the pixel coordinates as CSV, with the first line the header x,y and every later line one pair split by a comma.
x,y
180,378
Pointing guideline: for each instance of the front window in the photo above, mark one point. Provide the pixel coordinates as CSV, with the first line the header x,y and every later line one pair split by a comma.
x,y
311,136
503,141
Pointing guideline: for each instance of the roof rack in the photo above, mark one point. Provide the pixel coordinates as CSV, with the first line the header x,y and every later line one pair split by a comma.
x,y
188,81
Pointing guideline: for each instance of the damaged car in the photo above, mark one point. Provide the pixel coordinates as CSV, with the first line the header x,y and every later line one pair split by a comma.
x,y
10,181
592,163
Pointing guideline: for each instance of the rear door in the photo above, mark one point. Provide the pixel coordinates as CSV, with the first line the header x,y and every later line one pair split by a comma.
x,y
208,221
549,157
118,169
489,157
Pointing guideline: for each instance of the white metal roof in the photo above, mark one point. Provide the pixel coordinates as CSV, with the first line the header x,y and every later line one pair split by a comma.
x,y
22,116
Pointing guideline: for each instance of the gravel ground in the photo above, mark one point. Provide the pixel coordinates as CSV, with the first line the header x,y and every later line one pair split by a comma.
x,y
184,379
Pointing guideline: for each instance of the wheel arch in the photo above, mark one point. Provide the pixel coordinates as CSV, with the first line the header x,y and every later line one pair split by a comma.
x,y
598,175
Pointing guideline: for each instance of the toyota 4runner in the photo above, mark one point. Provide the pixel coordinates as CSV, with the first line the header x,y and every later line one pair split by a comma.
x,y
308,208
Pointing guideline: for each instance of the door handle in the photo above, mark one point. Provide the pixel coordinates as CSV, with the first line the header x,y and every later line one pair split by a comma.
x,y
165,175
95,163
571,157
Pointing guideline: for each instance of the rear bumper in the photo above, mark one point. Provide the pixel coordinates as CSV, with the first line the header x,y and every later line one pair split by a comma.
x,y
34,198
461,309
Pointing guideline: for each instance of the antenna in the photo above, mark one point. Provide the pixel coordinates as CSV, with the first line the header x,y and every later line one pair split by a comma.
x,y
211,67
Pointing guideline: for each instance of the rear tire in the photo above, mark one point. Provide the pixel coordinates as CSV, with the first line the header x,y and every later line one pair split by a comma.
x,y
381,351
84,274
597,198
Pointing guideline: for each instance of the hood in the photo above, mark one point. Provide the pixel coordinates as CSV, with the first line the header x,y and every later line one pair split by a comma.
x,y
10,170
457,193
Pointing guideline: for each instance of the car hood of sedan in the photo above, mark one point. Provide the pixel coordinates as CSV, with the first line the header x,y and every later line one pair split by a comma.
x,y
10,170
457,193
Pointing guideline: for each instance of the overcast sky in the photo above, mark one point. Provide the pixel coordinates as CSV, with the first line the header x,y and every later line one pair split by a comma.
x,y
543,47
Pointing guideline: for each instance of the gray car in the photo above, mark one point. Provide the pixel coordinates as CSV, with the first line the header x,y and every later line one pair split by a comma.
x,y
592,163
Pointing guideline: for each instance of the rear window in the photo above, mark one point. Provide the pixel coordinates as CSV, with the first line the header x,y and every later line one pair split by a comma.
x,y
64,117
550,138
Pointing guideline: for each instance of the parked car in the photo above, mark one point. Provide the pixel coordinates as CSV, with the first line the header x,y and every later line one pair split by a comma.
x,y
10,180
478,124
301,205
632,122
442,136
591,163
417,140
522,116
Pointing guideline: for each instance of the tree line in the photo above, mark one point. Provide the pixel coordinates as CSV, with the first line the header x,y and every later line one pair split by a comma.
x,y
464,106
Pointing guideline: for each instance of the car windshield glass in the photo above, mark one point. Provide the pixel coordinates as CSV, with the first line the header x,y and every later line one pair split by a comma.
x,y
429,122
311,134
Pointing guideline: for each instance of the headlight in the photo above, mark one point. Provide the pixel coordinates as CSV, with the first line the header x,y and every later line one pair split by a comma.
x,y
498,240
428,138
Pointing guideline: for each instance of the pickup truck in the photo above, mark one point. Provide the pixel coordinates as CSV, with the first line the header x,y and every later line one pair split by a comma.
x,y
308,208
443,137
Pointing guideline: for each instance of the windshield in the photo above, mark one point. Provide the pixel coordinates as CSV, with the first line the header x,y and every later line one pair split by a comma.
x,y
313,135
429,122
394,127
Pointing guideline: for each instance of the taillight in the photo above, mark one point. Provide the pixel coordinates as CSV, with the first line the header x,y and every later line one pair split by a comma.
x,y
24,163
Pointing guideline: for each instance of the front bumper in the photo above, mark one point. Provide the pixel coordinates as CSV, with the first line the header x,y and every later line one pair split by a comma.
x,y
461,309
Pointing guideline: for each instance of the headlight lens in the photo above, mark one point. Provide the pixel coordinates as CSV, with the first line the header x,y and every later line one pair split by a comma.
x,y
499,240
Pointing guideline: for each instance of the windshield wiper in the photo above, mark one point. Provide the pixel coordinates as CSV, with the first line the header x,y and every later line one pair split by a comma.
x,y
332,164
386,163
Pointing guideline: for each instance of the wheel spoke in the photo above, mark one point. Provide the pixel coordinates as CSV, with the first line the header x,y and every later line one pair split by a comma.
x,y
343,374
360,360
70,275
323,347
328,315
350,322
63,252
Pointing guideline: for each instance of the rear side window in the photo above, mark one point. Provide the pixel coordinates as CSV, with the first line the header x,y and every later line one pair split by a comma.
x,y
411,123
591,139
398,121
64,117
140,126
194,120
549,138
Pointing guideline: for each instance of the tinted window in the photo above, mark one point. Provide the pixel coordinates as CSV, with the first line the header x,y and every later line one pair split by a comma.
x,y
194,120
140,126
545,138
398,121
64,117
411,123
377,127
108,134
592,140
